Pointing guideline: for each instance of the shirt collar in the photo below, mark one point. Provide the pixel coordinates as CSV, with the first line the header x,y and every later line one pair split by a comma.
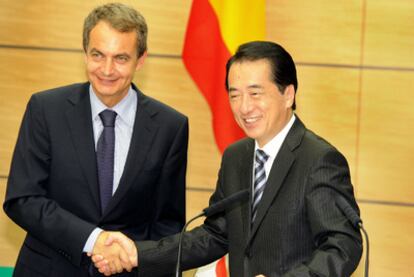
x,y
273,146
125,109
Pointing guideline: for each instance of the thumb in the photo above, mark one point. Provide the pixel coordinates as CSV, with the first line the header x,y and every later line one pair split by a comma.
x,y
110,239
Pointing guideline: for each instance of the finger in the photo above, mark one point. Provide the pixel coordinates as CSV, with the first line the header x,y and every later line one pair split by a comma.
x,y
97,258
124,257
133,260
133,257
110,239
112,267
121,239
128,245
118,266
101,264
104,270
126,266
130,248
108,273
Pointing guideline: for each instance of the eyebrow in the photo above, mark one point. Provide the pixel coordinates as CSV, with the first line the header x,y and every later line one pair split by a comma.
x,y
123,55
95,50
116,55
254,86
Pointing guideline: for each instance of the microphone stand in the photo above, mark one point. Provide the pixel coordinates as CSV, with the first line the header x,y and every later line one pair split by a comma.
x,y
178,272
212,209
367,249
356,221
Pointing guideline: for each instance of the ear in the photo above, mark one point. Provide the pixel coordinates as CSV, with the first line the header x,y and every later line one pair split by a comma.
x,y
141,61
289,95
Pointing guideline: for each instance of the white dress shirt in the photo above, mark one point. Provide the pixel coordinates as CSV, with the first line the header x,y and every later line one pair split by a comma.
x,y
124,126
272,147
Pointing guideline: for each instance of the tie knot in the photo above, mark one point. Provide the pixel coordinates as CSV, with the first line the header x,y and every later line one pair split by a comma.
x,y
108,118
261,156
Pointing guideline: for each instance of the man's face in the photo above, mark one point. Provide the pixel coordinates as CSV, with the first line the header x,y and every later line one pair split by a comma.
x,y
258,106
111,61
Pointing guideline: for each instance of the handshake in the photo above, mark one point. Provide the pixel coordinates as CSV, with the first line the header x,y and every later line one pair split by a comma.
x,y
113,253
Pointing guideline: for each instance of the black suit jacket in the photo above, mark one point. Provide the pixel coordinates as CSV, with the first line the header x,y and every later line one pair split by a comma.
x,y
298,231
53,190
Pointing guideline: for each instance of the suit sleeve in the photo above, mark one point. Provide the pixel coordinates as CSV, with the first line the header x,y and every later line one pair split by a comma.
x,y
200,246
169,214
27,202
338,243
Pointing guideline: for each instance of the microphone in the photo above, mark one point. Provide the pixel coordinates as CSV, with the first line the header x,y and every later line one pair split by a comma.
x,y
209,211
226,202
356,221
349,212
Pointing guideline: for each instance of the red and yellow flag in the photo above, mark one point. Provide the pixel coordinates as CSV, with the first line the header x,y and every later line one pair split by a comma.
x,y
215,29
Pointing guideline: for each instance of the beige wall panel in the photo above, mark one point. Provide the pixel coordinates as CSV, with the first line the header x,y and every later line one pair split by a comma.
x,y
321,31
386,145
389,33
327,102
165,79
11,235
168,81
58,23
390,230
22,73
196,202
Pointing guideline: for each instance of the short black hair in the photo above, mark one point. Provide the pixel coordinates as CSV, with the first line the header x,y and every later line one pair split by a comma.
x,y
281,63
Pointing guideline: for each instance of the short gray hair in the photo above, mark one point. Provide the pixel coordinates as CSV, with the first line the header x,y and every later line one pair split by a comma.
x,y
122,18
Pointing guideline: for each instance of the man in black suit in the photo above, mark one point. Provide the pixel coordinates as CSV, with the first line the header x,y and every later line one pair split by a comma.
x,y
75,176
292,225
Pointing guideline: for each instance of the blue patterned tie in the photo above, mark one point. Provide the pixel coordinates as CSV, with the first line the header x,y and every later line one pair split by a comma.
x,y
259,179
105,157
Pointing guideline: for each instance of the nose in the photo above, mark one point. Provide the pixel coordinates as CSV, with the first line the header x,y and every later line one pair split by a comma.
x,y
246,104
108,67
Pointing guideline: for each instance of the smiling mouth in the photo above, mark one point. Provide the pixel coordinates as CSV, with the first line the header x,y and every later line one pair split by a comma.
x,y
106,81
251,120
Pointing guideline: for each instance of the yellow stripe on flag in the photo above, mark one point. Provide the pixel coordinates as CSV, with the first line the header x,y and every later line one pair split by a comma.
x,y
240,21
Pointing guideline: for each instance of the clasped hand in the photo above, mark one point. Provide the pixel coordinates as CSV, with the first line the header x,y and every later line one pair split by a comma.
x,y
113,253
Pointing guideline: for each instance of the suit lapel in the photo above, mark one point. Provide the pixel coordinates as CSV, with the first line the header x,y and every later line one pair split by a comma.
x,y
246,171
142,137
80,124
280,169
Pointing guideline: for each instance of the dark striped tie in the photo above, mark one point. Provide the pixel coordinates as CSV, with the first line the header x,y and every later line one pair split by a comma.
x,y
105,157
259,180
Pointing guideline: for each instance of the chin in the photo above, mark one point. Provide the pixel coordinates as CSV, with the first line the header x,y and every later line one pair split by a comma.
x,y
251,135
107,89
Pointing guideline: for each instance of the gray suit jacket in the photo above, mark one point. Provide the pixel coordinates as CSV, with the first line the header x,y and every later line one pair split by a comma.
x,y
298,231
53,190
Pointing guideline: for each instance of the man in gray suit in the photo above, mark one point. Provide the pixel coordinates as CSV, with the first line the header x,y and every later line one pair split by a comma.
x,y
292,225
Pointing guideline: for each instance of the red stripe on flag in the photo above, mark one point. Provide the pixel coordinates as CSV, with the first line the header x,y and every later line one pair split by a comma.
x,y
205,55
221,268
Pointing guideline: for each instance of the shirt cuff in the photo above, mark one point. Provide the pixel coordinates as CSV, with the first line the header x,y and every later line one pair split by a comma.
x,y
90,243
